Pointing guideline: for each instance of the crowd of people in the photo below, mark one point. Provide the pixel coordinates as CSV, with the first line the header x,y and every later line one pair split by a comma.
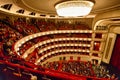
x,y
81,68
73,67
12,32
8,37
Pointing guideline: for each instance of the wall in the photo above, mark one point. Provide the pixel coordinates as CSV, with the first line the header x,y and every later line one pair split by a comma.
x,y
107,15
105,19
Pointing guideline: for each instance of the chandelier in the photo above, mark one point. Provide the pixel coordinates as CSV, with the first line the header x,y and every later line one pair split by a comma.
x,y
74,8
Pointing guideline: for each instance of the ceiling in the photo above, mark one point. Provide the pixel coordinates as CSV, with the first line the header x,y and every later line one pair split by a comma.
x,y
46,7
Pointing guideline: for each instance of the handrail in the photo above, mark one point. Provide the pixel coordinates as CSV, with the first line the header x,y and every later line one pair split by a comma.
x,y
48,72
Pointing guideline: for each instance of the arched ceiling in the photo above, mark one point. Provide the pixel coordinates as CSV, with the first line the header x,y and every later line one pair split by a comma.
x,y
46,7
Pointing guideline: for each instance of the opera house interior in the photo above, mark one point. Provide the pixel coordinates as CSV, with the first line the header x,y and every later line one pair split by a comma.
x,y
59,39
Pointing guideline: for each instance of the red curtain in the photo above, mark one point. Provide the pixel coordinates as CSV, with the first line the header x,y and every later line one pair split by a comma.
x,y
115,59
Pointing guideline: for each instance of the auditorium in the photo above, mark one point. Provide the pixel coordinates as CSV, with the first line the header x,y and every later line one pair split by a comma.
x,y
59,39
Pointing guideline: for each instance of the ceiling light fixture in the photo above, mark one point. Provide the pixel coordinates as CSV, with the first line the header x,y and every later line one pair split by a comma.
x,y
74,7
